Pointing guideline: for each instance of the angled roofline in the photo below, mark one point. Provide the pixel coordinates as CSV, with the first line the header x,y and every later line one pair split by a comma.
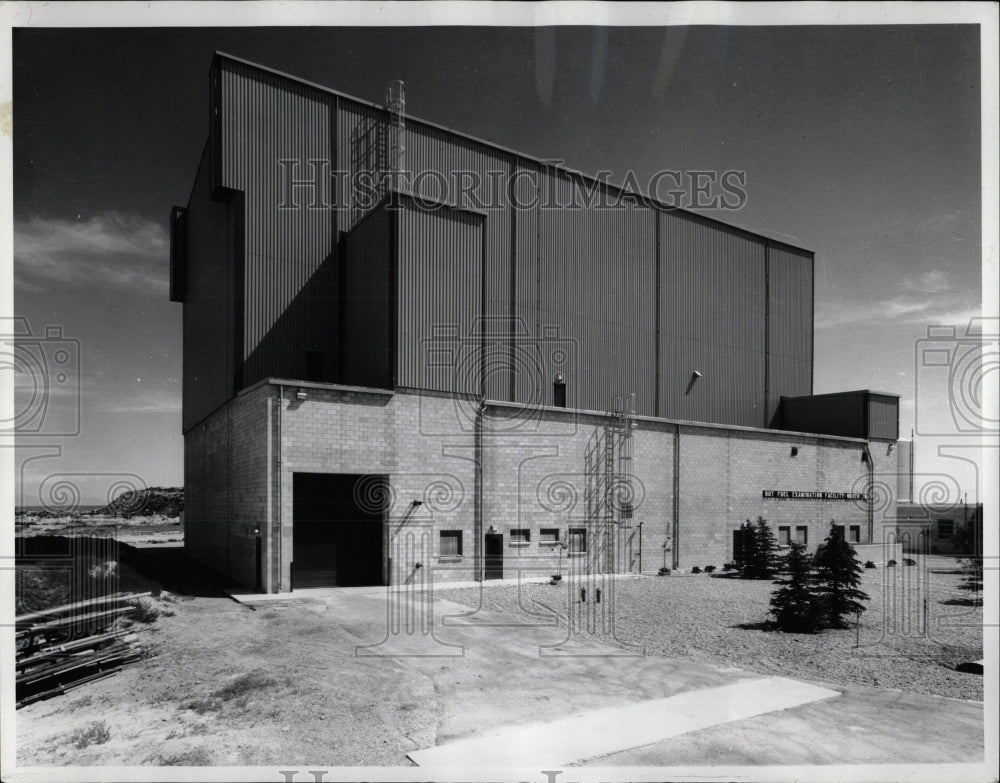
x,y
544,164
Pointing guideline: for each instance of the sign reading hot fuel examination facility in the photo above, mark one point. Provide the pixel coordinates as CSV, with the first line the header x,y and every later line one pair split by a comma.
x,y
787,494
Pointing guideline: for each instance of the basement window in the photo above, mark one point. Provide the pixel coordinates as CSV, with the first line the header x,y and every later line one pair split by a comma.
x,y
520,536
548,536
451,544
577,540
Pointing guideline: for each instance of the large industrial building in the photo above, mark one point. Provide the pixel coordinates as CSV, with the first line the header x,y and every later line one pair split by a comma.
x,y
410,353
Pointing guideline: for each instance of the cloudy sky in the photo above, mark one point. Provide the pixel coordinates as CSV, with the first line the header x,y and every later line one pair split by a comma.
x,y
860,143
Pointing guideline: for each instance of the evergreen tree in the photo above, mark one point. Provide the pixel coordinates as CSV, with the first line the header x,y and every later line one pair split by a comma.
x,y
838,574
759,550
795,604
746,556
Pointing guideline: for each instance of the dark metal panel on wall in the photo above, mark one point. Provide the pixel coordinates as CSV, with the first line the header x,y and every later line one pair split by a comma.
x,y
369,301
789,327
274,133
208,303
712,321
843,414
439,293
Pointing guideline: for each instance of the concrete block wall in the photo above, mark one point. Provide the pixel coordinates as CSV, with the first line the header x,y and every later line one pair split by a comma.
x,y
541,469
226,486
724,471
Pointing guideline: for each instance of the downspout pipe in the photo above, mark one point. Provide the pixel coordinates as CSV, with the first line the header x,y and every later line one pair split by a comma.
x,y
676,522
281,449
478,522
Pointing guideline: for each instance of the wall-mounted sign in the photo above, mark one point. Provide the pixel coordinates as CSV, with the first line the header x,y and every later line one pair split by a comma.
x,y
788,494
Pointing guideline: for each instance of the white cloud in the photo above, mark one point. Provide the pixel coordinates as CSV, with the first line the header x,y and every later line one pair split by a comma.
x,y
907,308
110,249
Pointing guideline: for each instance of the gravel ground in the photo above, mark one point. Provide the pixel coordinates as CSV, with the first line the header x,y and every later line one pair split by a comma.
x,y
699,618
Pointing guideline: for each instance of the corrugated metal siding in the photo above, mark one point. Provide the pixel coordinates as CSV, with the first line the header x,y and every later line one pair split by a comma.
x,y
361,132
789,327
265,120
531,387
828,414
208,304
597,289
439,285
369,300
883,417
711,320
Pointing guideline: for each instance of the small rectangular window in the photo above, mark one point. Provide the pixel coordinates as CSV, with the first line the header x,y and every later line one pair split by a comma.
x,y
451,543
946,528
784,535
802,535
577,540
520,536
628,510
840,529
855,534
548,536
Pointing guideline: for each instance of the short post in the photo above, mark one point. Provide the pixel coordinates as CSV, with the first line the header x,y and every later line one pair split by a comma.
x,y
583,595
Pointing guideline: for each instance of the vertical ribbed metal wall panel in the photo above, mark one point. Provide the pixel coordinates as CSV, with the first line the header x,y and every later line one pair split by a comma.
x,y
469,174
369,301
361,132
883,417
439,290
208,304
597,287
265,120
530,385
827,414
790,319
712,299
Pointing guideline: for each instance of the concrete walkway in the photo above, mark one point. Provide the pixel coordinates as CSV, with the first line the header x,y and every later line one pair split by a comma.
x,y
603,732
497,686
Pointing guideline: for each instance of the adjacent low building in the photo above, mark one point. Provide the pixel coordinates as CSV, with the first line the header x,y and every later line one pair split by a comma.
x,y
412,354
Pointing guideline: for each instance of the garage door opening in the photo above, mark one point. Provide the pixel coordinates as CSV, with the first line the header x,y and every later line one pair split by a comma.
x,y
337,540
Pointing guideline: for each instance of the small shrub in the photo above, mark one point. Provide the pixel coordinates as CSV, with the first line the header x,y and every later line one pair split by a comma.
x,y
696,570
196,757
909,561
244,685
556,577
94,733
709,569
146,611
869,564
663,572
890,564
107,570
729,567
